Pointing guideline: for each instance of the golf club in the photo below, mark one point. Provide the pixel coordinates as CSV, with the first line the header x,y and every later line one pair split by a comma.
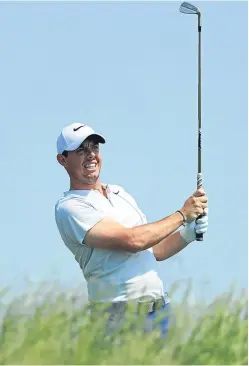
x,y
188,8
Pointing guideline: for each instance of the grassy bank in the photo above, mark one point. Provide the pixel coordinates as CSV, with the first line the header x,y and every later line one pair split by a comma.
x,y
53,327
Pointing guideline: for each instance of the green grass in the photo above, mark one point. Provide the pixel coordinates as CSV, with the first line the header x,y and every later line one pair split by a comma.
x,y
53,327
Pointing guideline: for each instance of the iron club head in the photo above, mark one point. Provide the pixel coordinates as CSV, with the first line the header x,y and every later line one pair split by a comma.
x,y
188,8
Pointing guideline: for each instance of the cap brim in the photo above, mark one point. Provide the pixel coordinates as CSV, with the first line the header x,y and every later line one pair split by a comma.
x,y
96,136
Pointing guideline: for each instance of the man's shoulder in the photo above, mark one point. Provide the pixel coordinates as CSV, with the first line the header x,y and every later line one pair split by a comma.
x,y
67,203
85,199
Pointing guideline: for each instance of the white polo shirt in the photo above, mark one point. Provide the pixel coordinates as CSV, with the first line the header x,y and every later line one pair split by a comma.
x,y
111,275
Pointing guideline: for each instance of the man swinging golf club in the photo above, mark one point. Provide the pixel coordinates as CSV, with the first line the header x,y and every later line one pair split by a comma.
x,y
108,234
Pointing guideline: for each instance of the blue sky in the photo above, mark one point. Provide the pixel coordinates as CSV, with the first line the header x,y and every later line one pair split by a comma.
x,y
129,70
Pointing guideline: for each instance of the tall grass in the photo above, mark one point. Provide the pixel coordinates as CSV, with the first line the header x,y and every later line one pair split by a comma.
x,y
53,327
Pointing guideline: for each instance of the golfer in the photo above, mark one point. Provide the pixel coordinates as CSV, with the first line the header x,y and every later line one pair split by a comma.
x,y
108,234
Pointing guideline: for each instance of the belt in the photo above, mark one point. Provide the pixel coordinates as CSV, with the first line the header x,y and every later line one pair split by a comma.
x,y
149,307
134,306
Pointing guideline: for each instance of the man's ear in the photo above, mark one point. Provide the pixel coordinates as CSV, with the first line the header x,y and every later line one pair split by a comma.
x,y
61,159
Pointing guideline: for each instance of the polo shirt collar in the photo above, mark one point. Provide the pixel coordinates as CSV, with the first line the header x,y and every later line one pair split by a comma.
x,y
85,192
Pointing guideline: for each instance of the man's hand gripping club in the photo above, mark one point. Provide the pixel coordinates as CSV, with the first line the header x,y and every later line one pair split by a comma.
x,y
195,225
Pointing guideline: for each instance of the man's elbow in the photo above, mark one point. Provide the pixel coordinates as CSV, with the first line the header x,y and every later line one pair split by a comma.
x,y
158,255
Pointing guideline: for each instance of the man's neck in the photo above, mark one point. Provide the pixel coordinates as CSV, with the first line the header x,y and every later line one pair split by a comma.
x,y
79,186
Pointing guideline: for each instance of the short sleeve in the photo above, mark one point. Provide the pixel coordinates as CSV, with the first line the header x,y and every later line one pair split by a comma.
x,y
76,218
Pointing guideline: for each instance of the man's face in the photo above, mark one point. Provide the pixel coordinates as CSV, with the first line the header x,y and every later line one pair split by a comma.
x,y
84,164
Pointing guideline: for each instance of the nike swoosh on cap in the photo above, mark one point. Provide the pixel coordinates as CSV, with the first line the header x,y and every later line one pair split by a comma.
x,y
76,129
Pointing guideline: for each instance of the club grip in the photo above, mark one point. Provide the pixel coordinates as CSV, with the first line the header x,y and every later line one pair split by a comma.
x,y
199,236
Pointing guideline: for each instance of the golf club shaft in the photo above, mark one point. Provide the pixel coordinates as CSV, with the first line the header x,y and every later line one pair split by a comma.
x,y
199,237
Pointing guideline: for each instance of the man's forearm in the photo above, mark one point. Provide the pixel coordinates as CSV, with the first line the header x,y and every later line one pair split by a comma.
x,y
169,246
149,235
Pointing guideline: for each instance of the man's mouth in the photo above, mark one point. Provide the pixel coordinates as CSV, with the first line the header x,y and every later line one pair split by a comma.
x,y
91,166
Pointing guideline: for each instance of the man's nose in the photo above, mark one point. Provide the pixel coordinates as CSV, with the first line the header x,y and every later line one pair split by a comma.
x,y
90,153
